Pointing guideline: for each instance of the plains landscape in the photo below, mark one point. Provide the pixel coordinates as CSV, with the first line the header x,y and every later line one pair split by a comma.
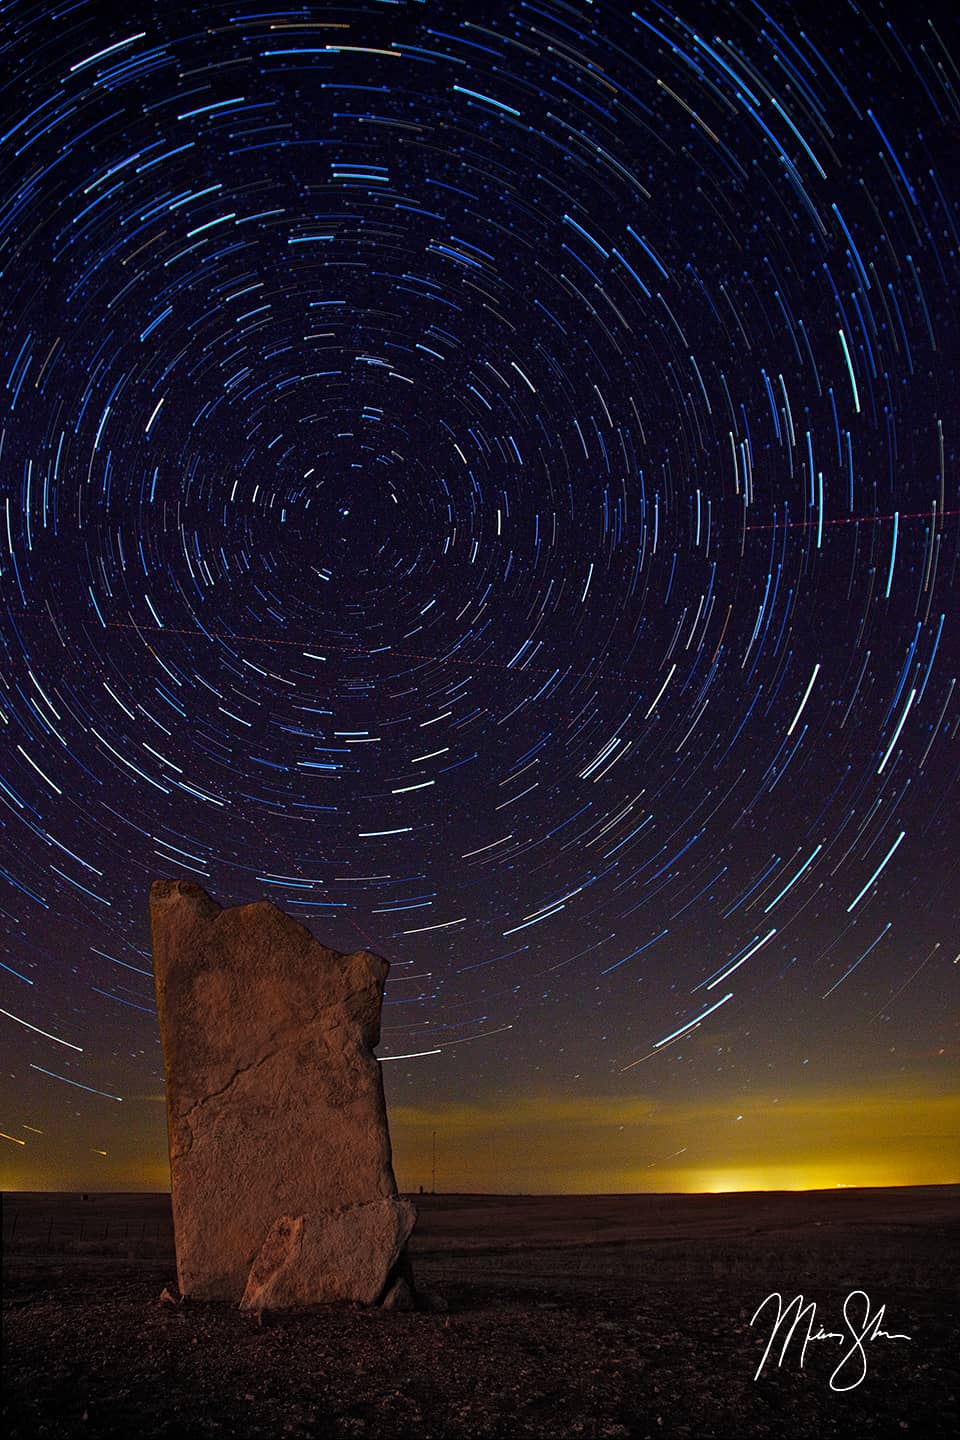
x,y
589,1316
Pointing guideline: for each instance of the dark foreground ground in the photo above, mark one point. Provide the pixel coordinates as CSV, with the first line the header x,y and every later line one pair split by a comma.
x,y
597,1316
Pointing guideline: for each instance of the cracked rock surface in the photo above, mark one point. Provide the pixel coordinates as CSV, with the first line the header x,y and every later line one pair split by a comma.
x,y
275,1106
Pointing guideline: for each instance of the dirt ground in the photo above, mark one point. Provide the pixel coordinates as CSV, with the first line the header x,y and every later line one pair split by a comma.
x,y
589,1316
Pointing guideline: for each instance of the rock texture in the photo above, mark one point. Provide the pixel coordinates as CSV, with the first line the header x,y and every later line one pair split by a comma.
x,y
279,1147
308,1259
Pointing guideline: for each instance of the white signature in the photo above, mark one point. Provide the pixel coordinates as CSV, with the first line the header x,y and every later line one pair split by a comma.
x,y
860,1331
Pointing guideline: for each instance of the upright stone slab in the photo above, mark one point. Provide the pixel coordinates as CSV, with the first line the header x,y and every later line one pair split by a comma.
x,y
275,1109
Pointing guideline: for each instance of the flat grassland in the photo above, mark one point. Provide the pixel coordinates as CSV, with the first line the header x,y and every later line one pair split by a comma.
x,y
619,1316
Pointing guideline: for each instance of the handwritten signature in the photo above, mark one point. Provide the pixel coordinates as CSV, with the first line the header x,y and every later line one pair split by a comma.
x,y
860,1330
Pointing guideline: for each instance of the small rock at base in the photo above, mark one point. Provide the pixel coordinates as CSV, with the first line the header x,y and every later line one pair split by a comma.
x,y
398,1297
347,1254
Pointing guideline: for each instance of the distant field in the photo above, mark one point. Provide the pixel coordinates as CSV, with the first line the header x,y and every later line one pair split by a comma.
x,y
587,1316
115,1223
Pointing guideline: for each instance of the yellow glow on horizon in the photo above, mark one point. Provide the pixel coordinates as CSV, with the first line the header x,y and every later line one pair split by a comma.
x,y
548,1143
798,1177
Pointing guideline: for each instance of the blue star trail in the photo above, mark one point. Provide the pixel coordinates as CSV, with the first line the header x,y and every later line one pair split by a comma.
x,y
484,477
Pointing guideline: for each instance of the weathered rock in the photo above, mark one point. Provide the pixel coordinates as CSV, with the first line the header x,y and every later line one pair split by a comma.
x,y
275,1109
403,1293
348,1255
399,1297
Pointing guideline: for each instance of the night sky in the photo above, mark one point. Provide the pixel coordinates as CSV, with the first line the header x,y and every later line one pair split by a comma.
x,y
485,477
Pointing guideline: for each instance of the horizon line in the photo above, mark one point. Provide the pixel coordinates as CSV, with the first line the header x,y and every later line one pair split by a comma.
x,y
570,1194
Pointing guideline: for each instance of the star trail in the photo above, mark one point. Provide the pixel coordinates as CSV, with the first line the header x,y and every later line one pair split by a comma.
x,y
485,478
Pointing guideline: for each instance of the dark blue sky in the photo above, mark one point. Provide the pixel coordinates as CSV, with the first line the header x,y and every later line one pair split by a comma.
x,y
486,479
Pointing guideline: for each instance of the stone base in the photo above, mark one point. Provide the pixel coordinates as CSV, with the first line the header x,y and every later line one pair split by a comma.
x,y
347,1254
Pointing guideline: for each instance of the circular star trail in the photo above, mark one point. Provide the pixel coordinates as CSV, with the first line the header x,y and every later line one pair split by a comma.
x,y
485,478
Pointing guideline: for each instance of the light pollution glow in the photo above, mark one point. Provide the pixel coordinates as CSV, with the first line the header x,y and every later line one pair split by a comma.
x,y
592,1145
